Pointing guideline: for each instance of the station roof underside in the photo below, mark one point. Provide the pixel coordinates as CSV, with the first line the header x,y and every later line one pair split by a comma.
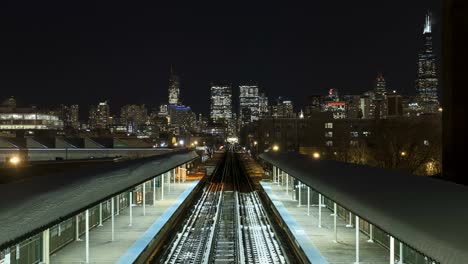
x,y
427,214
32,205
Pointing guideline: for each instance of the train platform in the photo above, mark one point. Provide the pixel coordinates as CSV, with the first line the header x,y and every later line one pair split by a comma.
x,y
318,243
129,241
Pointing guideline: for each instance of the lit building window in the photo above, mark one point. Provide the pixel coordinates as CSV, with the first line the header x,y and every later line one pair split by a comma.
x,y
426,142
329,143
328,125
353,143
328,134
355,134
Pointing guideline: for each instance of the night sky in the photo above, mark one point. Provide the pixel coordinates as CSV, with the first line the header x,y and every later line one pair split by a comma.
x,y
82,53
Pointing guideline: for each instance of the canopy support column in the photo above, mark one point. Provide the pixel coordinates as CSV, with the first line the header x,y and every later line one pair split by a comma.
x,y
154,191
371,233
392,250
112,219
130,204
350,224
162,186
334,222
320,211
87,236
144,198
100,214
45,246
357,239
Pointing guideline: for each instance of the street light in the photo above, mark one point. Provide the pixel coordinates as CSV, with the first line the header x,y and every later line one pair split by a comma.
x,y
255,143
316,155
403,153
275,148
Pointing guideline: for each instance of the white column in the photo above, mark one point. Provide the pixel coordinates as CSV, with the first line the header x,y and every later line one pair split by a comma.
x,y
117,198
392,250
401,254
162,186
87,236
154,191
293,193
335,213
274,173
287,184
371,234
350,224
320,211
174,174
18,253
144,198
277,176
299,184
180,173
45,246
308,200
169,181
112,219
77,228
130,205
100,214
7,259
357,239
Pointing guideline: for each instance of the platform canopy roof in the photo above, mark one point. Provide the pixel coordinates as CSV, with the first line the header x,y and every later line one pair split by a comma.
x,y
427,214
34,204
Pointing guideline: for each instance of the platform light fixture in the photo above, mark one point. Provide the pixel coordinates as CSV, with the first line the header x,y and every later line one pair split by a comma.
x,y
15,160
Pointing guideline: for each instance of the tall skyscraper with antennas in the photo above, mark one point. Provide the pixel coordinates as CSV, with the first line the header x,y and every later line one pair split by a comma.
x,y
174,88
427,82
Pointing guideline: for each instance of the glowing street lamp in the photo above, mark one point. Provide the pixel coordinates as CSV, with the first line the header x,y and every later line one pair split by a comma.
x,y
255,143
275,148
316,155
403,153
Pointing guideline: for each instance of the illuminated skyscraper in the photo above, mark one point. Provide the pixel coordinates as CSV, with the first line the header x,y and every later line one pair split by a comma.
x,y
427,82
221,102
249,103
174,88
263,105
380,88
99,116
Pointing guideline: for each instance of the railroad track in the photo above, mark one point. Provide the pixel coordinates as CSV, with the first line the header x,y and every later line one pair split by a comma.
x,y
227,224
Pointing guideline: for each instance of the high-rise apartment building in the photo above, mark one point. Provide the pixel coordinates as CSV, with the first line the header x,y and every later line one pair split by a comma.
x,y
221,102
249,103
69,114
427,82
99,115
263,105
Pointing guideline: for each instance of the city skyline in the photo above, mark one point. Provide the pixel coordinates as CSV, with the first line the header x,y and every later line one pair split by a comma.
x,y
135,54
